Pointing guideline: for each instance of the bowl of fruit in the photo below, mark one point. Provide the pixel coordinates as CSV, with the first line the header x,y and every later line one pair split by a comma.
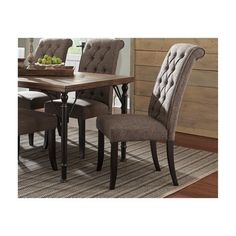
x,y
49,62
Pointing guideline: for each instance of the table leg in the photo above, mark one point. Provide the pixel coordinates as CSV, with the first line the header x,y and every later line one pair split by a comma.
x,y
64,121
124,111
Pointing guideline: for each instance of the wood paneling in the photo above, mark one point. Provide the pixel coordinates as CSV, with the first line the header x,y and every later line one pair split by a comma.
x,y
199,110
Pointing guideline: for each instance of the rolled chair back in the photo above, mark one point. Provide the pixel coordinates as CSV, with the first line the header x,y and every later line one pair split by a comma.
x,y
170,84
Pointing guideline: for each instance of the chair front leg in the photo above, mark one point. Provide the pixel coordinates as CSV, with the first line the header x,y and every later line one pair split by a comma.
x,y
100,150
45,144
31,139
154,155
171,163
114,160
81,123
52,148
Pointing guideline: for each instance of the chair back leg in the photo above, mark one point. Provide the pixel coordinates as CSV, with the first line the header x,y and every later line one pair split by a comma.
x,y
52,149
114,160
154,155
100,150
171,163
81,123
31,139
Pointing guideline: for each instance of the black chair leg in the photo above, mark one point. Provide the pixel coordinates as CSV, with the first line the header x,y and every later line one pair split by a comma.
x,y
52,149
100,150
114,160
31,139
45,144
81,123
154,155
18,147
171,163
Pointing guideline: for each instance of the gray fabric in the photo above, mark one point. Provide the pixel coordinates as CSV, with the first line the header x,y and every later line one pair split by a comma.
x,y
84,108
51,47
131,128
164,104
170,84
31,99
100,56
33,121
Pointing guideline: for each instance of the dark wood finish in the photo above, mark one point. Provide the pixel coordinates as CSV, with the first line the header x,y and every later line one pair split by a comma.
x,y
31,139
81,123
46,71
204,188
197,142
52,149
80,81
100,150
114,161
153,146
64,121
124,111
171,162
45,143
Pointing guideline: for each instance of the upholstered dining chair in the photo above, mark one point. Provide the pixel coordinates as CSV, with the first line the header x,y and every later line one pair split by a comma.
x,y
99,56
30,121
35,99
160,123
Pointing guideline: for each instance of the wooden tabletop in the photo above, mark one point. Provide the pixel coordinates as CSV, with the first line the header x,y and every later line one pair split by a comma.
x,y
80,81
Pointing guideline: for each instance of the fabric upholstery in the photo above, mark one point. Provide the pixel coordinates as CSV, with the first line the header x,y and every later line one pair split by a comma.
x,y
100,56
170,84
131,127
85,108
33,121
51,47
164,104
31,99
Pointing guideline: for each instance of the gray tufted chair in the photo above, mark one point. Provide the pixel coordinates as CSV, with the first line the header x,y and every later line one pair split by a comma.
x,y
100,56
161,122
34,99
33,121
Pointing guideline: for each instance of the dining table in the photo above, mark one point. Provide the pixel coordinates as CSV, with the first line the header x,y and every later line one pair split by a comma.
x,y
77,82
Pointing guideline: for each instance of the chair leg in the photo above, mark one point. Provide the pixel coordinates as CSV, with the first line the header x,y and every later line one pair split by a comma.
x,y
81,123
52,149
18,147
154,155
114,160
45,144
31,139
100,150
171,163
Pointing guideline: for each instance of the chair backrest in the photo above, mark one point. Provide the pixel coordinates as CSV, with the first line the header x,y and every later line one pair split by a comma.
x,y
53,47
100,56
170,84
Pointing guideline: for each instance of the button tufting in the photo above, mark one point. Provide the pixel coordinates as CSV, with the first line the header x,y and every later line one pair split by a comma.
x,y
182,55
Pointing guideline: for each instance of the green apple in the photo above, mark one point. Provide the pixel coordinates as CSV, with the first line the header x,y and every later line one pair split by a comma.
x,y
44,61
40,60
59,61
45,56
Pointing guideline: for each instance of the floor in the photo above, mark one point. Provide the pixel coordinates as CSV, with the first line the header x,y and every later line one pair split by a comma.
x,y
204,188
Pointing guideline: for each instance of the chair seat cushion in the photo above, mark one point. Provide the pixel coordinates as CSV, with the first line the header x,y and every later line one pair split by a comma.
x,y
33,121
85,108
31,99
131,127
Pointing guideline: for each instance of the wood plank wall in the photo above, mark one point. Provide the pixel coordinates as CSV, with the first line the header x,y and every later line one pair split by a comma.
x,y
199,110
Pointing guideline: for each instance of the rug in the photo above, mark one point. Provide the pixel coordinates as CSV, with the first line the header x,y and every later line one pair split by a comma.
x,y
136,176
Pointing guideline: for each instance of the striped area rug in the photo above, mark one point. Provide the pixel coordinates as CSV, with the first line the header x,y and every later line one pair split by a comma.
x,y
136,177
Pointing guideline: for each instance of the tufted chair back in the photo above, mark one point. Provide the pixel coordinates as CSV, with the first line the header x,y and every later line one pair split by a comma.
x,y
100,56
170,84
53,47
